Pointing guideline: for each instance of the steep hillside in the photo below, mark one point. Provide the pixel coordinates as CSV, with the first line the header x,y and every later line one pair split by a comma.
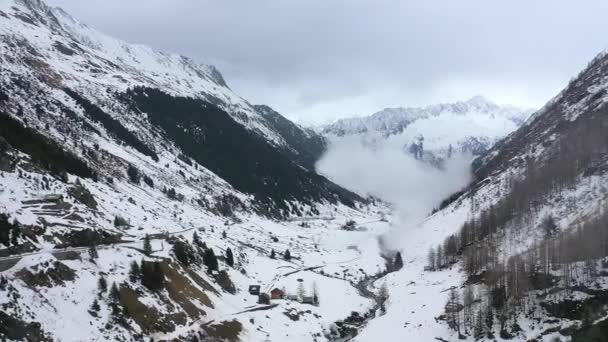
x,y
471,126
306,143
140,198
80,85
521,254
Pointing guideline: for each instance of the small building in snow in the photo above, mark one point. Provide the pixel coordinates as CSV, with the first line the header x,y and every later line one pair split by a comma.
x,y
277,294
308,300
53,198
254,290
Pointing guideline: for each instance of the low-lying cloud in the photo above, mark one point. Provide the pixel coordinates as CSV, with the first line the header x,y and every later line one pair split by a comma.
x,y
413,186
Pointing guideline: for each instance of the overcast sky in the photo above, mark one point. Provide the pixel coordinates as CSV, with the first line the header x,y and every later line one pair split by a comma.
x,y
316,60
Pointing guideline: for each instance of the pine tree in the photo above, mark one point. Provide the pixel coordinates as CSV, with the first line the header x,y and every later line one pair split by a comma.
x,y
383,295
453,310
479,328
432,259
134,272
467,299
102,285
133,174
93,252
16,233
287,255
196,240
114,293
398,263
229,257
489,320
152,275
3,283
315,293
94,308
224,234
273,255
184,252
147,246
440,257
301,290
210,260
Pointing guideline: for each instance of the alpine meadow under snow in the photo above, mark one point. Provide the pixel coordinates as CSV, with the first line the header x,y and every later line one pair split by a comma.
x,y
142,199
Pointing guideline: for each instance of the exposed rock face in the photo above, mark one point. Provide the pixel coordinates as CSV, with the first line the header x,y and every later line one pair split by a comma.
x,y
47,275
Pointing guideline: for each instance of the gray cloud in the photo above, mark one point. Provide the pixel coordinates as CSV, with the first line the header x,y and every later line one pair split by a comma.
x,y
316,60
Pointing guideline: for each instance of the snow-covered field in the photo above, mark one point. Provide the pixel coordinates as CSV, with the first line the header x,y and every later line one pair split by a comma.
x,y
323,255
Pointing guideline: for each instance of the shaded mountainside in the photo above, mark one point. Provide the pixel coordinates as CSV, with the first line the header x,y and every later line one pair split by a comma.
x,y
212,138
69,82
307,146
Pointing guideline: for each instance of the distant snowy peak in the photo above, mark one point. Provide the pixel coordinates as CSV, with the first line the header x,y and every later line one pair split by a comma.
x,y
433,133
391,121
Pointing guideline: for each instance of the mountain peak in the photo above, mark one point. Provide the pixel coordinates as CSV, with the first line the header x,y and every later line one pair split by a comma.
x,y
480,100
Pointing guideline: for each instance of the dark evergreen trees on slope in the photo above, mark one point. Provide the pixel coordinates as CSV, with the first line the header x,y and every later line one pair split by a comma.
x,y
148,181
196,240
147,246
398,262
244,159
287,255
308,145
432,259
114,293
3,283
152,275
94,310
229,257
133,173
102,285
134,272
184,253
8,230
273,255
453,308
43,151
113,126
93,252
210,260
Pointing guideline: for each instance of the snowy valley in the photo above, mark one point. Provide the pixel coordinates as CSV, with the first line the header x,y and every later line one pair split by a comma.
x,y
142,199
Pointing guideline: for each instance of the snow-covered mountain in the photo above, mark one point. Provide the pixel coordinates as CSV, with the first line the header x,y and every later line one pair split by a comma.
x,y
470,126
521,253
53,66
140,197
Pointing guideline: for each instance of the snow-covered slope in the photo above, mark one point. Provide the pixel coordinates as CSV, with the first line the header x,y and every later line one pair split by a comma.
x,y
522,250
470,126
80,84
42,38
106,145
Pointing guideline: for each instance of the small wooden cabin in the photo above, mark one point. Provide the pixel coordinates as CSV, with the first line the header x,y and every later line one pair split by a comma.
x,y
277,294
